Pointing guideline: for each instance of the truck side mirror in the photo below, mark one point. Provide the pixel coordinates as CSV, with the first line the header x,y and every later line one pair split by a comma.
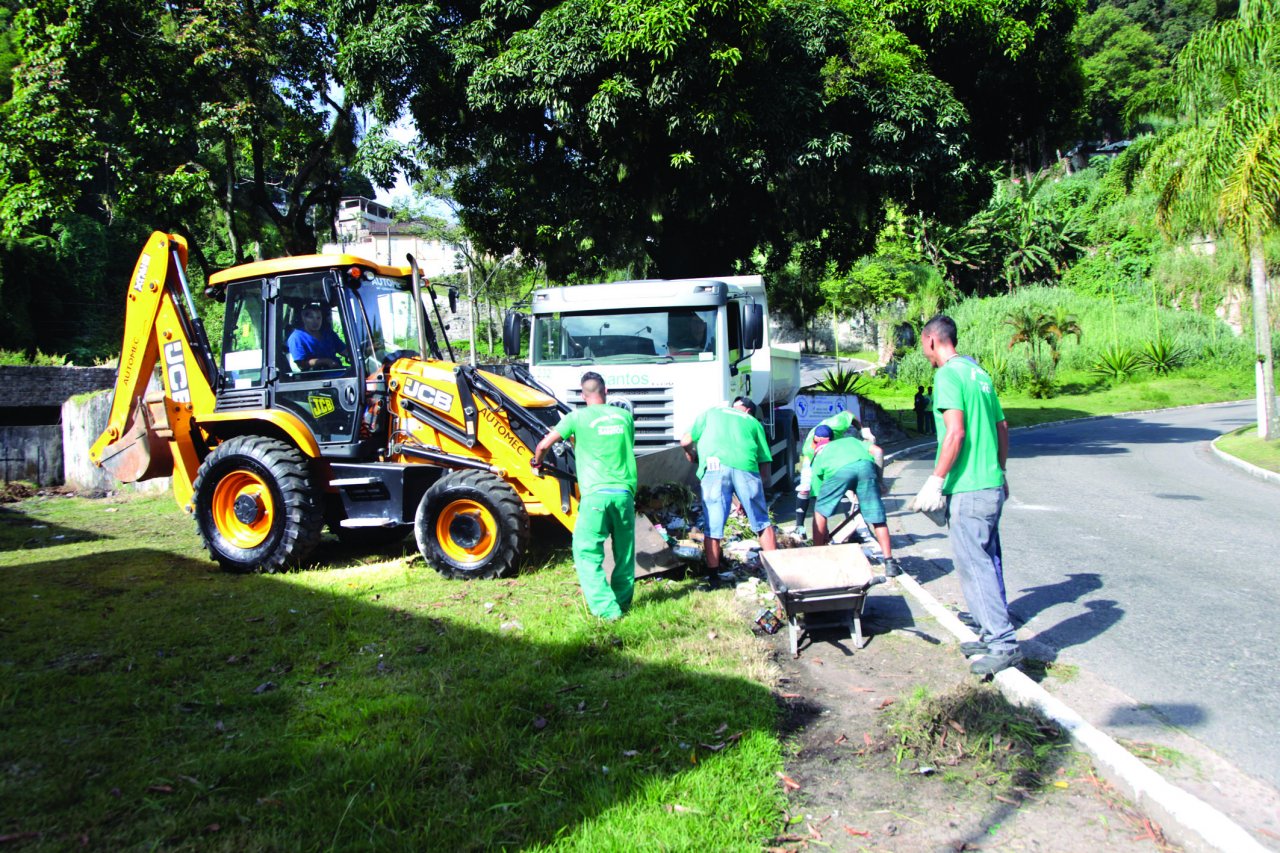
x,y
753,327
453,300
511,324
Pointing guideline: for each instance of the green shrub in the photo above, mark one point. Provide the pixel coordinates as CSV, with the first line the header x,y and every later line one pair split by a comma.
x,y
914,369
1117,363
1162,356
10,358
840,380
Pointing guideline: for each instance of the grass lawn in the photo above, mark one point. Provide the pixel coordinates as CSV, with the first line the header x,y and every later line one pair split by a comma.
x,y
151,701
1245,444
1082,395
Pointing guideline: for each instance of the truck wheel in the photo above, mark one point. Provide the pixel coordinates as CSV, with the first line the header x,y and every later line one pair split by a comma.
x,y
257,504
471,524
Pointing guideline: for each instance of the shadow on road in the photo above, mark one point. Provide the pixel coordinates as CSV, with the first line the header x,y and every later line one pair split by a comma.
x,y
1081,628
1035,599
1105,437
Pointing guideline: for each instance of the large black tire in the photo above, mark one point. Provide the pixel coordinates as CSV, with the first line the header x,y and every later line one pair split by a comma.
x,y
258,504
471,524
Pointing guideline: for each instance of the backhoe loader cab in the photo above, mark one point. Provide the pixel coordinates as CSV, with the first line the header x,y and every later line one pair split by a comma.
x,y
331,402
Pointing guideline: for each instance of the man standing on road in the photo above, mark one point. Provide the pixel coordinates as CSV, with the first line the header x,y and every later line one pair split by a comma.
x,y
840,465
968,485
604,450
729,447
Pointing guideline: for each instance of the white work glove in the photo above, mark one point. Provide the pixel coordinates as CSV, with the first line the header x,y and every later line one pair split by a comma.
x,y
931,501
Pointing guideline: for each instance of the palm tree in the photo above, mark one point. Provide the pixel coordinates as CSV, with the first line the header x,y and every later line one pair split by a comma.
x,y
1031,326
1059,326
1221,172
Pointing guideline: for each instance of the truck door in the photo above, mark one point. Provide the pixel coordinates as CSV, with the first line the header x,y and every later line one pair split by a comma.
x,y
316,360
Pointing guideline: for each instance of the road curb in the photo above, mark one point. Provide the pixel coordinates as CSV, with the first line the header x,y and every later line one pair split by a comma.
x,y
1166,802
1247,467
1170,805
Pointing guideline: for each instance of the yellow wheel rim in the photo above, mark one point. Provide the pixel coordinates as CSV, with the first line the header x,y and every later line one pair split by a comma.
x,y
466,531
242,509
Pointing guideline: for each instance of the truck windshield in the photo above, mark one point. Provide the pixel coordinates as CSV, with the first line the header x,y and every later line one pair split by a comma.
x,y
625,337
389,314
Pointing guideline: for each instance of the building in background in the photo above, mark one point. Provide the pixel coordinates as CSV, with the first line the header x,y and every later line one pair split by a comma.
x,y
365,229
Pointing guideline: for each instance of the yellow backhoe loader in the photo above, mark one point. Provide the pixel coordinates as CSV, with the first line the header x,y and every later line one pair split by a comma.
x,y
331,403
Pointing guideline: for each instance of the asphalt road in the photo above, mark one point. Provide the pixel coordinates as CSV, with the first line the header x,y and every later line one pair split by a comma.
x,y
1131,551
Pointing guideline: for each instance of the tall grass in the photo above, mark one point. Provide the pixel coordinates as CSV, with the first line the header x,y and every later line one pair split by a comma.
x,y
984,335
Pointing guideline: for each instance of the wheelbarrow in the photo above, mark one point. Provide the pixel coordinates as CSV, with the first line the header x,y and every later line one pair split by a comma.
x,y
831,578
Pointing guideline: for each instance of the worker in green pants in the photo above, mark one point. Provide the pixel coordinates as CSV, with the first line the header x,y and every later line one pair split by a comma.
x,y
604,439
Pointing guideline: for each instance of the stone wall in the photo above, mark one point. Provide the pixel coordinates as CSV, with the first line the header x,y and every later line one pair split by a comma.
x,y
83,420
856,333
31,453
23,387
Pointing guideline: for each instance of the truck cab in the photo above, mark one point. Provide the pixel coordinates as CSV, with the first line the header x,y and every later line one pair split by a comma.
x,y
671,348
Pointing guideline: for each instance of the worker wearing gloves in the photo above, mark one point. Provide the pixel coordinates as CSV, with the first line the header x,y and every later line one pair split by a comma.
x,y
604,449
968,489
729,447
840,465
836,426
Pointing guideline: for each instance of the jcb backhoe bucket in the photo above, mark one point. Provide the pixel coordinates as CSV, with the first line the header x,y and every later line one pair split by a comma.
x,y
655,468
141,452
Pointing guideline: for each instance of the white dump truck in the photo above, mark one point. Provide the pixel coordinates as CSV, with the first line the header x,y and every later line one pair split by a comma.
x,y
672,348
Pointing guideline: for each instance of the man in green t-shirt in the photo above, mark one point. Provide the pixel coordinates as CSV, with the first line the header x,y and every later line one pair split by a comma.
x,y
729,447
838,425
968,488
839,465
604,439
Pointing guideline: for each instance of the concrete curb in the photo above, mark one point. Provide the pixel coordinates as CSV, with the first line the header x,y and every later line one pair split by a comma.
x,y
1247,467
1167,803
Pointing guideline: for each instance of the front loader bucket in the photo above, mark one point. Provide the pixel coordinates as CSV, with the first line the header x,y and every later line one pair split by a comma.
x,y
665,465
139,453
653,555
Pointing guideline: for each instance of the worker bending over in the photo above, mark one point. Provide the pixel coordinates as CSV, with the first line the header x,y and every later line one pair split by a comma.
x,y
729,447
838,426
604,440
841,465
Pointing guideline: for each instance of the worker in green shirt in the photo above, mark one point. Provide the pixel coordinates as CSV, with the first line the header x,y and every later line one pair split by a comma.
x,y
604,439
968,488
838,425
841,465
729,447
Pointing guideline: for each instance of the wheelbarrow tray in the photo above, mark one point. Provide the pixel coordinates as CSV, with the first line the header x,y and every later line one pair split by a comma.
x,y
815,580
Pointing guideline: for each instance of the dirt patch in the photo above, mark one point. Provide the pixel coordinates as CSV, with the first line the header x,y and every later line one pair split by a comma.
x,y
854,784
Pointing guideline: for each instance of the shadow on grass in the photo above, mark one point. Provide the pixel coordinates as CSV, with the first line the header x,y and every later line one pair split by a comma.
x,y
20,532
195,708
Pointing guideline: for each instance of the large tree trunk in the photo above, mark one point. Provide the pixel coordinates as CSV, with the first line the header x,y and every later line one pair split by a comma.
x,y
1268,417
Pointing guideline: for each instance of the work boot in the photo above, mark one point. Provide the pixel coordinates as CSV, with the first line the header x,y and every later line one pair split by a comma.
x,y
993,662
891,568
974,647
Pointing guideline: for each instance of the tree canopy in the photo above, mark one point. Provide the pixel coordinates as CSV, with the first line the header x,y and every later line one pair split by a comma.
x,y
694,133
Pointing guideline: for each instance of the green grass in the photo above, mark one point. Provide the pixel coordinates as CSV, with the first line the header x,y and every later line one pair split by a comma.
x,y
1081,396
149,701
971,733
1245,444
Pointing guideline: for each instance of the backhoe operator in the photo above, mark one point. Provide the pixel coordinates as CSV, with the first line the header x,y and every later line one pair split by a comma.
x,y
315,347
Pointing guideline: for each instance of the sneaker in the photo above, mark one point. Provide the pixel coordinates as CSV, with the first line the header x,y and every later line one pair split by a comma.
x,y
974,647
891,568
993,662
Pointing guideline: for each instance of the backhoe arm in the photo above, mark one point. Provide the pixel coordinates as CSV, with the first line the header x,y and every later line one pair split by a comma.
x,y
151,436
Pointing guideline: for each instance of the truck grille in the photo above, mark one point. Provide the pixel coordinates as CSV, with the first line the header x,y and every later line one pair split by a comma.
x,y
651,407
